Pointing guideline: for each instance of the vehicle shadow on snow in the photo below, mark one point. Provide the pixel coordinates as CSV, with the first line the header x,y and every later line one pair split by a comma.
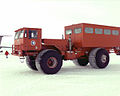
x,y
88,70
111,69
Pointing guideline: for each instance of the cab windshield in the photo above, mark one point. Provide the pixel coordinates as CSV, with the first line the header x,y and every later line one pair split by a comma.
x,y
19,34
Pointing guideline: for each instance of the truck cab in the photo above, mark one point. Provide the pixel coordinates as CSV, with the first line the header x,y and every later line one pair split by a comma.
x,y
27,41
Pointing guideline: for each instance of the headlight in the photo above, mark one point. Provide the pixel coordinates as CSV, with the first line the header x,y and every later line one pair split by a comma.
x,y
19,52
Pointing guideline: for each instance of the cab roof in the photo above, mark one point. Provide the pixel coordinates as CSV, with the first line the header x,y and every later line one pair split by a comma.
x,y
27,28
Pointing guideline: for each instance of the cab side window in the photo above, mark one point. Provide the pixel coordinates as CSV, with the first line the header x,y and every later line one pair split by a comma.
x,y
25,34
32,34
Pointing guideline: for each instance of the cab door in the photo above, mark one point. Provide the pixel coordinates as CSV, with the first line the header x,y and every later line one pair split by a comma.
x,y
33,40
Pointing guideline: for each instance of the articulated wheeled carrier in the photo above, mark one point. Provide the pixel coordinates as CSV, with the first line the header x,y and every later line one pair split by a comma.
x,y
83,43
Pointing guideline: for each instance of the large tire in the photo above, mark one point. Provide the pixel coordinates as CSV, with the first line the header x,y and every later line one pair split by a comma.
x,y
49,61
81,61
99,58
30,60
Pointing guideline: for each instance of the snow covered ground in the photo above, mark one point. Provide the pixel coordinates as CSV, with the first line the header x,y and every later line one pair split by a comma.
x,y
16,79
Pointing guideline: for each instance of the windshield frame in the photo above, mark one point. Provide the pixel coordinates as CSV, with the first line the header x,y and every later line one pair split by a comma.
x,y
21,34
18,34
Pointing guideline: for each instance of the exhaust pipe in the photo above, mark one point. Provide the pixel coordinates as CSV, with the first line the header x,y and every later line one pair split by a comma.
x,y
70,43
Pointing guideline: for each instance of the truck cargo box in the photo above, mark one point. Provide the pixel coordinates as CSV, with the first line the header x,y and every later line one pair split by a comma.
x,y
93,35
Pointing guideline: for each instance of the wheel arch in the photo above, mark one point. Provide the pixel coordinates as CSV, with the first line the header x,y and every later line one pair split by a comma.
x,y
96,49
52,47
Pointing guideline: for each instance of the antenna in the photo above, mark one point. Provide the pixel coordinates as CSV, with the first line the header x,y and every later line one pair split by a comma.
x,y
70,43
0,39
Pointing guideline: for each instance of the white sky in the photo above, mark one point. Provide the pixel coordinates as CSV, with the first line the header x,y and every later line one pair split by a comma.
x,y
53,15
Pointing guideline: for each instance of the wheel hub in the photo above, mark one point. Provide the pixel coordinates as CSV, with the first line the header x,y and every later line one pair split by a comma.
x,y
52,62
103,58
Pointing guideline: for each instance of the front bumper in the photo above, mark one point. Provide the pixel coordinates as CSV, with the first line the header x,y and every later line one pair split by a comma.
x,y
17,51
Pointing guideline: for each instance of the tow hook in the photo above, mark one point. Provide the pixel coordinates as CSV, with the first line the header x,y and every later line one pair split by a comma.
x,y
22,59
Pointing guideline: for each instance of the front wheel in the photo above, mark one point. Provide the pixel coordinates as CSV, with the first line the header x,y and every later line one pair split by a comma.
x,y
30,60
50,61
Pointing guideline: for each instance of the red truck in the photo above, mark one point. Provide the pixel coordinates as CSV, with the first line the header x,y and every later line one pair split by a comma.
x,y
83,43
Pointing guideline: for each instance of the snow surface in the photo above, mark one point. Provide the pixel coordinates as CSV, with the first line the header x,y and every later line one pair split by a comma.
x,y
16,79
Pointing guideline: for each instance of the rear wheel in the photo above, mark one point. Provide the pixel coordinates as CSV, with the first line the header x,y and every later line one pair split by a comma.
x,y
49,61
30,60
99,58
